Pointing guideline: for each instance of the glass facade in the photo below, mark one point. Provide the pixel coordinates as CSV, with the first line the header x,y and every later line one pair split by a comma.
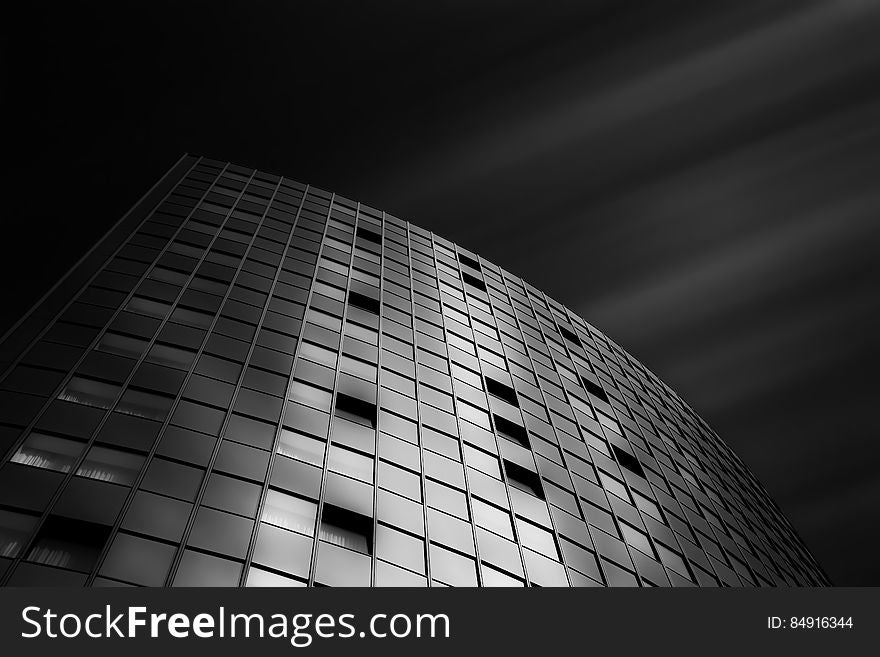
x,y
259,383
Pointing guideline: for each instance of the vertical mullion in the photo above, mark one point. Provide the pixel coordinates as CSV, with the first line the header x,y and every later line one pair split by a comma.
x,y
550,417
262,499
467,486
178,555
280,428
313,564
418,418
504,478
375,538
652,487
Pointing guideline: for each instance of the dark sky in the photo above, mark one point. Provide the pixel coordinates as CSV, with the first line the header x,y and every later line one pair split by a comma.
x,y
700,180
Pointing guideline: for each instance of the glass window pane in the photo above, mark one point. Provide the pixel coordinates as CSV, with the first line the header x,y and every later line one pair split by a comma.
x,y
123,345
492,518
297,446
400,548
339,567
197,569
48,452
111,465
258,577
452,568
144,404
15,528
90,392
346,529
283,550
536,538
352,464
137,560
147,307
318,354
289,512
165,354
316,397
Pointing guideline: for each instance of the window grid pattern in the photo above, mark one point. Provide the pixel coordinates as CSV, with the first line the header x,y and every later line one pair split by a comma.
x,y
268,384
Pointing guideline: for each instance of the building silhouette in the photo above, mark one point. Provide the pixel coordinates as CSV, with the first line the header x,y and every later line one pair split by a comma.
x,y
249,381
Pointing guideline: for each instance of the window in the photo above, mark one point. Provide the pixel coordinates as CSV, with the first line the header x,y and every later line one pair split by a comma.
x,y
291,513
355,410
352,464
48,452
297,446
123,345
363,302
594,389
358,367
636,538
524,479
346,529
147,307
511,430
192,317
467,260
492,518
90,392
451,568
369,235
536,538
15,528
198,569
310,395
138,560
400,548
473,281
318,354
168,275
165,354
628,461
67,543
144,404
502,391
569,335
233,495
111,465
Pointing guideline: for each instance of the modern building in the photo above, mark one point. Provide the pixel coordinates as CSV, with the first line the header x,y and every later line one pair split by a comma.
x,y
249,381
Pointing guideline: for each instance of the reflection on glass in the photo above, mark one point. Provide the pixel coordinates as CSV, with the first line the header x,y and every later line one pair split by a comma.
x,y
168,275
14,531
300,447
164,354
67,543
191,317
90,392
317,397
536,538
349,463
48,452
123,345
289,512
144,404
147,307
111,465
492,518
358,368
318,354
257,577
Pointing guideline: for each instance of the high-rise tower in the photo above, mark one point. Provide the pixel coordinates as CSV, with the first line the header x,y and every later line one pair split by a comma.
x,y
250,381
